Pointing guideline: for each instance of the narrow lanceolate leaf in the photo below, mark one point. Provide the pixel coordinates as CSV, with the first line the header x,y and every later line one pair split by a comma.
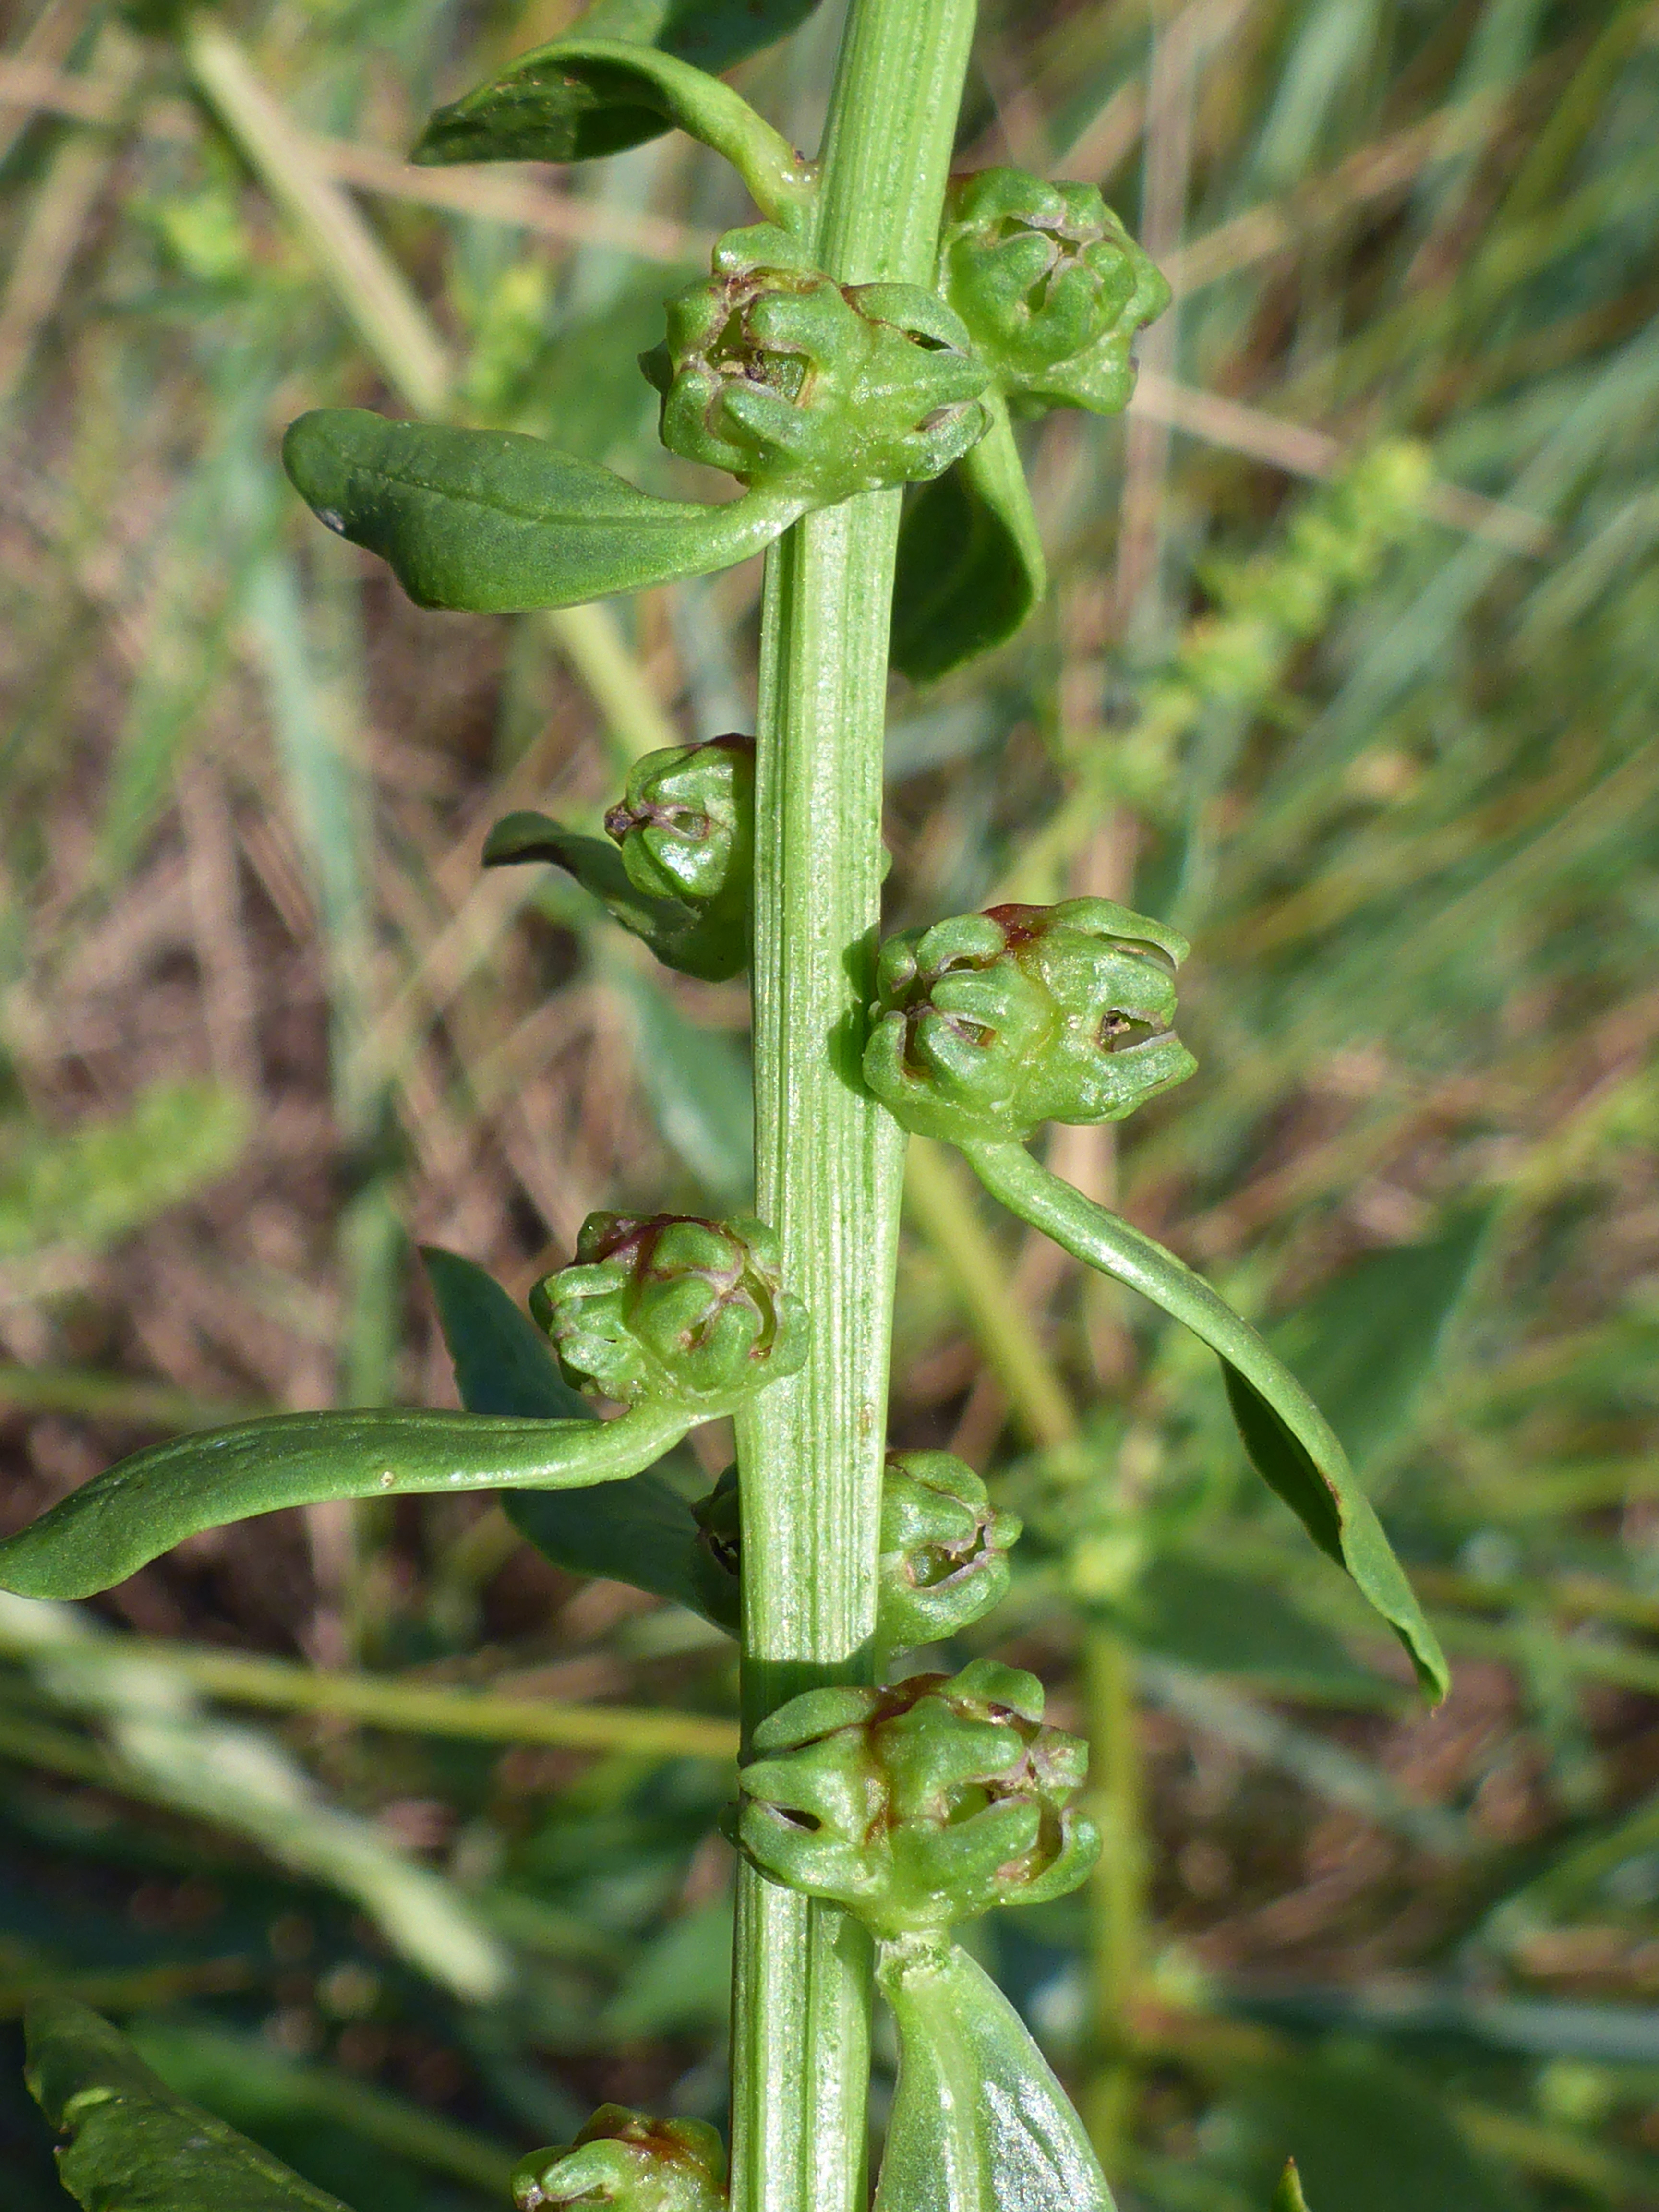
x,y
582,96
641,1532
971,565
978,2124
134,2146
503,1363
1288,1438
1288,2196
713,33
127,1516
492,522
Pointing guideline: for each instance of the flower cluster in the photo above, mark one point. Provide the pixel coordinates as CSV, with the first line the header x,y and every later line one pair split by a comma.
x,y
921,1804
944,1557
635,2164
686,827
1051,287
670,1310
943,1561
789,381
989,1024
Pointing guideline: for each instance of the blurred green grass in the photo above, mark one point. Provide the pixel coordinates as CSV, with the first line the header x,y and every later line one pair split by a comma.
x,y
1349,670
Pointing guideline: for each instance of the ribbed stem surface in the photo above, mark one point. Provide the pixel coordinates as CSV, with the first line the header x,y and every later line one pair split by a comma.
x,y
828,1160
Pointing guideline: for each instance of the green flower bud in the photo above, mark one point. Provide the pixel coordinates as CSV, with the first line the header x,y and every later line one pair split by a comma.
x,y
919,1805
672,1310
815,389
686,826
944,1559
1051,287
990,1023
635,2164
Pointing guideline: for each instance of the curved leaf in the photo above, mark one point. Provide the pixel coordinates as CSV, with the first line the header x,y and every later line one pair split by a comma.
x,y
503,1363
1219,1620
127,1516
1292,1445
971,565
1288,2196
642,1531
979,2122
492,522
133,2145
582,96
1369,1343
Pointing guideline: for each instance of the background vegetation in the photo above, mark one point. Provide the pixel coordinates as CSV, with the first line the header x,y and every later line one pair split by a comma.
x,y
1349,671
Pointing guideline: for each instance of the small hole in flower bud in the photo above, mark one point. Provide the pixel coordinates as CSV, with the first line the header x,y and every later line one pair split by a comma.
x,y
964,1803
1120,1032
1155,953
791,1816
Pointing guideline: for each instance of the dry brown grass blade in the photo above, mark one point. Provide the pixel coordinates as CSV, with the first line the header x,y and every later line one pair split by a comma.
x,y
45,43
59,215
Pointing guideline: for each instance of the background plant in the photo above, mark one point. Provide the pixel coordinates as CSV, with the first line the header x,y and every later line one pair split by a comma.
x,y
1401,797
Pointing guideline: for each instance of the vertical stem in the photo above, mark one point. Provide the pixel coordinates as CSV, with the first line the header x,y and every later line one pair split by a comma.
x,y
1117,1892
828,1160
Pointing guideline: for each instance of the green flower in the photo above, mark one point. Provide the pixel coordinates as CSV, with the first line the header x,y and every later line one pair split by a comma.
x,y
989,1024
920,1805
637,2165
1051,287
944,1549
686,822
671,1309
686,827
797,384
944,1558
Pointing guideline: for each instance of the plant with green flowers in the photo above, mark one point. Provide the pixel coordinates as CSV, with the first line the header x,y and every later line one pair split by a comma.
x,y
880,328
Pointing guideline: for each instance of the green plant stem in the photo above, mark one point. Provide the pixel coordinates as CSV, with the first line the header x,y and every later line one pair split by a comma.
x,y
939,1200
828,1160
1117,1892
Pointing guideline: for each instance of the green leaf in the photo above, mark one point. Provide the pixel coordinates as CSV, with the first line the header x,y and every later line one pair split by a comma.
x,y
574,392
979,2122
1368,1345
700,1086
1291,1443
971,565
584,96
297,2108
713,33
642,1531
1288,2196
1219,1622
133,2145
667,925
680,1983
503,1363
124,1518
1367,2136
492,522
